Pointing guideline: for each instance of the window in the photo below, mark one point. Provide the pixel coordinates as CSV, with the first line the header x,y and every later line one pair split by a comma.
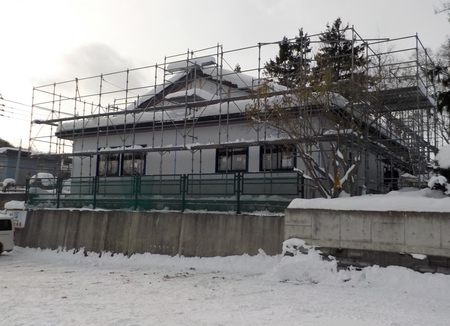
x,y
277,157
108,164
133,164
5,225
121,164
231,159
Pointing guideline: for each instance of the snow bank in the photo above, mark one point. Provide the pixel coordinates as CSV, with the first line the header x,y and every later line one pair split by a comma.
x,y
305,268
424,200
312,267
15,204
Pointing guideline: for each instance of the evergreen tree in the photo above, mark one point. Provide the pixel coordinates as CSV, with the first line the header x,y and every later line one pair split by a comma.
x,y
440,74
321,97
443,97
292,64
340,61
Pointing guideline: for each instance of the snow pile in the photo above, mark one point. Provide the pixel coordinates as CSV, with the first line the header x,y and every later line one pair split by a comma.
x,y
8,182
443,157
441,168
15,204
302,263
308,265
407,199
439,182
302,267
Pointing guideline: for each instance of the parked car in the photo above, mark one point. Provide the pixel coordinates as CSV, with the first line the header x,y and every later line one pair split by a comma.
x,y
42,183
6,233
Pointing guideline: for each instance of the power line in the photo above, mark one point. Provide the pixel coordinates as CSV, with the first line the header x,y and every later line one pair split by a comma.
x,y
4,99
9,114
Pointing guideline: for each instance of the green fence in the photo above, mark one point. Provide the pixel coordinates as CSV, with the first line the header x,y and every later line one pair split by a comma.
x,y
235,192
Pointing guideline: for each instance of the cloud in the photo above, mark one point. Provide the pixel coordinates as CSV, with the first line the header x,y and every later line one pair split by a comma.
x,y
90,69
94,59
89,59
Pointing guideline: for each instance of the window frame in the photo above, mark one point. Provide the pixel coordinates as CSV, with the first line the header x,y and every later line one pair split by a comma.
x,y
276,154
106,159
141,167
232,156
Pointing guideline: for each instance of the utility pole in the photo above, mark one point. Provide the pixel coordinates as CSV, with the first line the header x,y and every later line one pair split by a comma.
x,y
19,154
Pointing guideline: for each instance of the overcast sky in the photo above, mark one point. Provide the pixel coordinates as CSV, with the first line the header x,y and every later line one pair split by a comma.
x,y
48,41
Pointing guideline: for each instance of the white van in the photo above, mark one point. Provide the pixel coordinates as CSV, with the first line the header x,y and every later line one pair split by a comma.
x,y
6,233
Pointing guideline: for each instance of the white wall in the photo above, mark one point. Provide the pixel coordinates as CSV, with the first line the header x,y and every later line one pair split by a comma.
x,y
204,161
180,161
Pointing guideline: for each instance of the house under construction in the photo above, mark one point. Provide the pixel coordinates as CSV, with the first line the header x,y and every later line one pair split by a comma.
x,y
186,117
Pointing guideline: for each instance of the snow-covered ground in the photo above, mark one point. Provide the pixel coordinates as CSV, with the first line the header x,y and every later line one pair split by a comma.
x,y
44,287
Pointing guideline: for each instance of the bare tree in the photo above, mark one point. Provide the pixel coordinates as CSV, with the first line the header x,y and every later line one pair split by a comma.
x,y
325,127
445,6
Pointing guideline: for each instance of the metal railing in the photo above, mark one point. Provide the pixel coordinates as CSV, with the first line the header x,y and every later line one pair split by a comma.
x,y
232,192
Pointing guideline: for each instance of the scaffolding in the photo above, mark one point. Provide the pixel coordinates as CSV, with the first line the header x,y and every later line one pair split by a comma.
x,y
167,97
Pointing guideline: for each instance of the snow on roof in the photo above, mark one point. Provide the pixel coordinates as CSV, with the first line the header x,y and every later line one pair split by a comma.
x,y
184,65
3,150
122,148
195,91
156,90
240,80
40,175
156,116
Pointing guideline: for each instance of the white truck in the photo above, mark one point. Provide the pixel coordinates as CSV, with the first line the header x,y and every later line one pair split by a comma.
x,y
6,233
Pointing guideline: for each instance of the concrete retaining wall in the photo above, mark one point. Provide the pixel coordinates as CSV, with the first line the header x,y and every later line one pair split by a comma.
x,y
357,238
202,235
395,232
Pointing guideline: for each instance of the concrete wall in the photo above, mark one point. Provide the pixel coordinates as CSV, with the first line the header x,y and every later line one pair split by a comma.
x,y
357,238
395,232
202,235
